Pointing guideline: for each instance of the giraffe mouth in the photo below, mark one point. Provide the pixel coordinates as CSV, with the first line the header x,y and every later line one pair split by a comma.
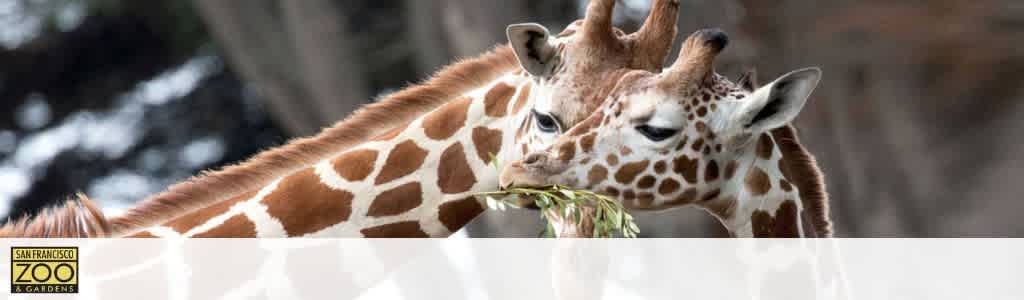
x,y
536,170
517,175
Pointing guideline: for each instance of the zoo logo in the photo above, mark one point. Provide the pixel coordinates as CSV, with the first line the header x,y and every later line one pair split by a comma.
x,y
44,270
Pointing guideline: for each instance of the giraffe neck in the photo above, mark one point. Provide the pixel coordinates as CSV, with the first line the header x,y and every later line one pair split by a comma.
x,y
418,180
764,194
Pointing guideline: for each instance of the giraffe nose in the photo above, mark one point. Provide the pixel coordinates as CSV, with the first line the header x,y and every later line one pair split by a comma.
x,y
535,159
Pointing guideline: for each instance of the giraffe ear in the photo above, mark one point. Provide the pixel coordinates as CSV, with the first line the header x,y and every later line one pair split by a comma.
x,y
530,43
776,104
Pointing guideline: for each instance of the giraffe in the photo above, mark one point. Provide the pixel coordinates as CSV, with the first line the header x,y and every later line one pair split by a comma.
x,y
687,136
408,165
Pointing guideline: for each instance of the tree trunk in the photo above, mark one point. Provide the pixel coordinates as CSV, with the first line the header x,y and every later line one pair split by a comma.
x,y
297,59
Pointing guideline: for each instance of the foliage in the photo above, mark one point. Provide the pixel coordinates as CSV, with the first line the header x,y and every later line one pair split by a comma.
x,y
609,216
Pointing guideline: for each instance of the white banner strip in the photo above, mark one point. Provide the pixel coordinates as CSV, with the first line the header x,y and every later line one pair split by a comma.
x,y
520,269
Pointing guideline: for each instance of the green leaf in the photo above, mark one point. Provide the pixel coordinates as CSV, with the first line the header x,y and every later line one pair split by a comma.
x,y
609,216
568,194
545,200
491,203
549,231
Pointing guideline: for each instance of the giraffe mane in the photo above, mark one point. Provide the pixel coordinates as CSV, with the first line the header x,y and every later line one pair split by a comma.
x,y
807,177
75,219
367,122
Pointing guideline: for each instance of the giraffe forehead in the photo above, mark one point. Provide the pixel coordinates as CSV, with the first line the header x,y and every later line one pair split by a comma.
x,y
574,98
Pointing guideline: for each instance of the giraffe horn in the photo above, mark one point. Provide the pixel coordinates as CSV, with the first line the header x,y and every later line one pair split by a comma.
x,y
597,24
697,57
654,39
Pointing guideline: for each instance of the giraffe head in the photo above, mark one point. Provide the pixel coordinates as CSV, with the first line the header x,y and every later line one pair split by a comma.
x,y
568,70
680,136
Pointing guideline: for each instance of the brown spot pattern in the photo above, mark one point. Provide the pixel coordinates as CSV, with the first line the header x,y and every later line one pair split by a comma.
x,y
628,195
645,199
668,186
701,127
587,125
659,167
566,151
785,185
686,167
783,225
407,229
447,120
456,214
496,100
198,217
524,96
587,142
355,165
765,146
757,182
784,169
730,169
597,174
612,160
237,226
629,171
454,174
646,182
319,206
711,171
699,143
522,127
143,234
396,201
402,160
487,142
614,192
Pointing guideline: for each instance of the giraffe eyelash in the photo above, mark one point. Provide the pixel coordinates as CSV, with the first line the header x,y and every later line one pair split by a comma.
x,y
546,122
656,134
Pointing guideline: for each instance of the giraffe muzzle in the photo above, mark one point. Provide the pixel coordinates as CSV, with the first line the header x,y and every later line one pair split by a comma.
x,y
536,169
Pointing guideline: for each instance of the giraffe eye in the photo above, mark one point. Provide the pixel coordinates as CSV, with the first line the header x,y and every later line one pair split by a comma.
x,y
656,134
545,122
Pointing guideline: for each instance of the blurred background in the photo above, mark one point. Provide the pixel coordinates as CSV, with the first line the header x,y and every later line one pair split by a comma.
x,y
917,123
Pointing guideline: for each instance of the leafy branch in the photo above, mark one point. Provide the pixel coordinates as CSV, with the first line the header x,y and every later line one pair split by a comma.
x,y
609,216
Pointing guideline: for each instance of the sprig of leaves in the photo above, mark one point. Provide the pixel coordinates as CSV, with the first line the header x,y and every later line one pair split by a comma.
x,y
609,216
